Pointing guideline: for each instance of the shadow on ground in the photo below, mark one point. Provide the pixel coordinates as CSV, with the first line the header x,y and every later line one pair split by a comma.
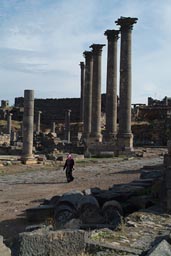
x,y
127,172
10,229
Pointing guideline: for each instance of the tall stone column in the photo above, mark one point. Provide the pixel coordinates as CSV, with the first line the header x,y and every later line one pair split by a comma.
x,y
28,124
21,130
38,122
166,185
125,136
9,123
82,66
111,90
53,127
96,94
88,93
67,125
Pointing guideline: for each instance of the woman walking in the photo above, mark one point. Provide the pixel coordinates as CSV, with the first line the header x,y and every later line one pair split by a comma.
x,y
69,166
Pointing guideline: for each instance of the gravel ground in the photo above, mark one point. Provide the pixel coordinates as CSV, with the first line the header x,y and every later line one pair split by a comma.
x,y
22,187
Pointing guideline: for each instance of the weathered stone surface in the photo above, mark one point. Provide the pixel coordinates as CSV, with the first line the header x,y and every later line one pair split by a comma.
x,y
127,189
92,191
168,178
66,207
109,249
4,250
135,236
112,212
88,200
52,243
73,197
144,181
64,212
161,249
150,174
34,227
141,202
168,201
89,211
111,195
167,160
73,224
54,200
141,184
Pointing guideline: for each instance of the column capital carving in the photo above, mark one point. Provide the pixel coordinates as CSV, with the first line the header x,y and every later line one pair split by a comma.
x,y
82,65
88,55
68,110
126,23
97,48
112,34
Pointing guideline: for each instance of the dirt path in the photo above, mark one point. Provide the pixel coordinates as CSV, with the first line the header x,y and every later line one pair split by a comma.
x,y
28,186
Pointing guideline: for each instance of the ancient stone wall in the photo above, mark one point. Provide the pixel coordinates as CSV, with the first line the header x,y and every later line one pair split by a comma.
x,y
53,109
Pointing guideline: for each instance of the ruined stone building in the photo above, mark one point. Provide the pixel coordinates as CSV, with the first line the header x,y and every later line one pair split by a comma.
x,y
152,122
154,131
156,109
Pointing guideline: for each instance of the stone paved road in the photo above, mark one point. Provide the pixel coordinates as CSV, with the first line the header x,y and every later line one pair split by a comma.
x,y
56,176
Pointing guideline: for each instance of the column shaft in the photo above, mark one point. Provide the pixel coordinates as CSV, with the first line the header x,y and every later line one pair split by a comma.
x,y
53,127
88,93
38,122
9,123
67,125
125,137
96,93
111,91
125,84
82,66
28,123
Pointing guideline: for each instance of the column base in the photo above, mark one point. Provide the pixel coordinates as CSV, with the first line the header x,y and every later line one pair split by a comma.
x,y
99,149
109,137
125,141
93,139
28,160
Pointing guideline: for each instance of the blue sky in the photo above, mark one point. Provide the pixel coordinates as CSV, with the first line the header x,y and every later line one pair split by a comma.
x,y
42,41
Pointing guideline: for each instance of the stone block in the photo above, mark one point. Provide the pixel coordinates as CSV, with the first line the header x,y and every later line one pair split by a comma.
x,y
29,161
4,250
57,243
150,174
168,196
106,249
167,160
141,202
161,249
169,147
168,178
144,181
125,142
